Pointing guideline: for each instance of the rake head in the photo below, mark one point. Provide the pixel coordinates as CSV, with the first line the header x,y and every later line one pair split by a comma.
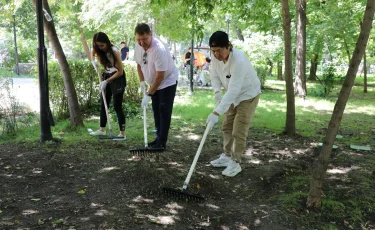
x,y
145,152
182,194
111,138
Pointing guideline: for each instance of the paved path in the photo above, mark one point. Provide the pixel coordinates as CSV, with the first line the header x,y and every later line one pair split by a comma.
x,y
26,90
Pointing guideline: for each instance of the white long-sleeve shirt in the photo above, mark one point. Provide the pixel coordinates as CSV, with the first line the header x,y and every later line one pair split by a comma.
x,y
237,76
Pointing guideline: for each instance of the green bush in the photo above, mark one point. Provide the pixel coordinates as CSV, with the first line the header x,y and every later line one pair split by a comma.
x,y
262,74
327,83
86,85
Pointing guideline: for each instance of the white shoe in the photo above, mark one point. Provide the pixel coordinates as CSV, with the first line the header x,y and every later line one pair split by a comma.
x,y
222,161
232,169
98,133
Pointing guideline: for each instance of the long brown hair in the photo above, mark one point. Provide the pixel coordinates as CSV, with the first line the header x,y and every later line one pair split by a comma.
x,y
103,59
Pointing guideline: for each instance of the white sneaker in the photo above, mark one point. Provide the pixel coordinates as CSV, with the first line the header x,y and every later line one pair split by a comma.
x,y
222,161
98,133
232,169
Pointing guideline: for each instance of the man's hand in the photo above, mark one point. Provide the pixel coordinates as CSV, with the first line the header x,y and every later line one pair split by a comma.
x,y
102,85
143,86
212,120
146,99
218,98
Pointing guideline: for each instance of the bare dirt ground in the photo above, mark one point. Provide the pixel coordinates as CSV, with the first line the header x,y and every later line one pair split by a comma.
x,y
99,185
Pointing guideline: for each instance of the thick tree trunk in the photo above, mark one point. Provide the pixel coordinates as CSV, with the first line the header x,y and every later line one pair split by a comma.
x,y
279,71
74,111
314,67
320,169
290,127
300,77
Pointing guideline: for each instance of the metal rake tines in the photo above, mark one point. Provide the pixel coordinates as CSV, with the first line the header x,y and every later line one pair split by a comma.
x,y
146,152
183,194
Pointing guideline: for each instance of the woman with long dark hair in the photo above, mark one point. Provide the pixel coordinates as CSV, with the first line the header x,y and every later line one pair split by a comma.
x,y
113,80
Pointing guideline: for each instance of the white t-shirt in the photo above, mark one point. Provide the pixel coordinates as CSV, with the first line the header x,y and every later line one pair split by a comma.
x,y
158,58
111,59
237,76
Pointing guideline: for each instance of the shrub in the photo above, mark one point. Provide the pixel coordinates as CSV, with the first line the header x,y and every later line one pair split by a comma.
x,y
262,74
327,83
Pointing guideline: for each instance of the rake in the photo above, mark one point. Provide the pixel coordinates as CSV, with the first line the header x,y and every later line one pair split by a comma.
x,y
183,193
146,151
110,137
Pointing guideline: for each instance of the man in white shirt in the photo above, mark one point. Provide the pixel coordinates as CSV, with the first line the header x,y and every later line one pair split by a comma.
x,y
155,67
232,70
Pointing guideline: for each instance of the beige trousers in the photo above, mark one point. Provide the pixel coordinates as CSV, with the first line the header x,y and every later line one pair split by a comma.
x,y
236,124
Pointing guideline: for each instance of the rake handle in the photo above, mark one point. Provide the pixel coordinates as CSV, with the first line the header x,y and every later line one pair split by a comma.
x,y
145,123
105,104
192,167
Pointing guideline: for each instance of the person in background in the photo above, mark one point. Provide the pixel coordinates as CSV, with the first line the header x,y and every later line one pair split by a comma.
x,y
203,73
232,70
113,80
187,63
155,67
124,51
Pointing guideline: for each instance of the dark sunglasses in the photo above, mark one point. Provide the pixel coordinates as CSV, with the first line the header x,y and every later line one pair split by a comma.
x,y
145,58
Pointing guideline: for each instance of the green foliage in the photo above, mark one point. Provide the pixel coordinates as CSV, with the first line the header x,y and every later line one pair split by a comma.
x,y
333,208
27,52
13,115
327,83
262,73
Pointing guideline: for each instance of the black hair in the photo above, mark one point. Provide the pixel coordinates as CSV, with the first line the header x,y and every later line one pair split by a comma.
x,y
142,28
219,39
102,37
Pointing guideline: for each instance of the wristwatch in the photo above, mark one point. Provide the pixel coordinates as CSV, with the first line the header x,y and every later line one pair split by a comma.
x,y
148,94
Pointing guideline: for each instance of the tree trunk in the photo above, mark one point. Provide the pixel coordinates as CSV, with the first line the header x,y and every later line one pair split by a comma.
x,y
74,111
290,127
279,71
270,63
320,169
346,47
364,73
83,40
300,78
239,34
314,67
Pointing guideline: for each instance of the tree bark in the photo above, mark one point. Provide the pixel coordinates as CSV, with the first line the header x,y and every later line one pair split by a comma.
x,y
279,71
239,34
364,73
290,127
270,63
320,169
300,74
314,67
74,111
83,40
